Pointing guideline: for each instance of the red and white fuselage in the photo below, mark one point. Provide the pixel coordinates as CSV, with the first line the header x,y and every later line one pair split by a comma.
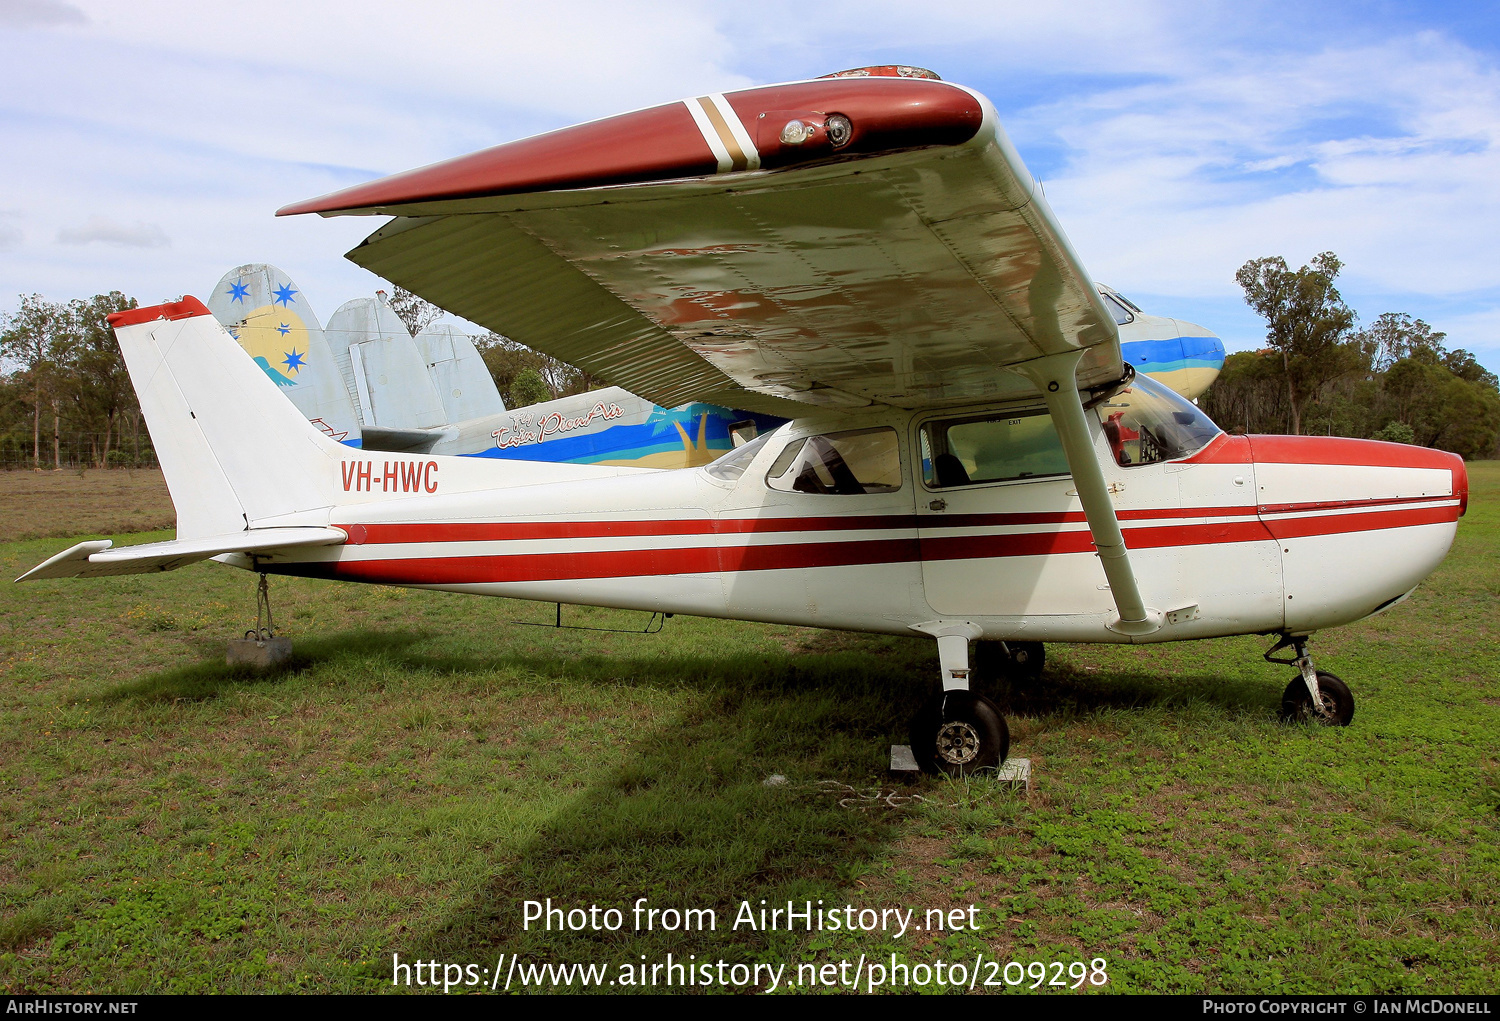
x,y
1248,535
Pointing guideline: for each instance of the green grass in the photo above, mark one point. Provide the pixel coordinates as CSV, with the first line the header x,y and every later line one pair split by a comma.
x,y
425,765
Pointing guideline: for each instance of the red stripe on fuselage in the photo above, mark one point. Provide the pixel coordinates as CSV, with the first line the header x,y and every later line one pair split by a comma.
x,y
620,563
513,530
1368,521
508,531
572,565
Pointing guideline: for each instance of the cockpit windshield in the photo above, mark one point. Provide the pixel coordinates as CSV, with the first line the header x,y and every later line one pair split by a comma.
x,y
732,465
1147,422
1117,309
1122,308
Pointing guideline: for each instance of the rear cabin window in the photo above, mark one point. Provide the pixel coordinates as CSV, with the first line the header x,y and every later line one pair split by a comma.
x,y
996,448
843,464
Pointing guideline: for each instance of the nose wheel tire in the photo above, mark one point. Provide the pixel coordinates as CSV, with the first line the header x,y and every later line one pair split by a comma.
x,y
958,733
1338,703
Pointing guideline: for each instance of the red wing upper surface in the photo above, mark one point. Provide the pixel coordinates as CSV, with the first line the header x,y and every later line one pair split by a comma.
x,y
838,242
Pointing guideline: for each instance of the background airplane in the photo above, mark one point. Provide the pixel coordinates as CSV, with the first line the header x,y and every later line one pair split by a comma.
x,y
373,385
367,382
1183,355
269,315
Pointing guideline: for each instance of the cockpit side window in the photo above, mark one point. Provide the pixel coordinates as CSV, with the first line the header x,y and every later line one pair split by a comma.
x,y
849,463
1117,308
1148,422
996,448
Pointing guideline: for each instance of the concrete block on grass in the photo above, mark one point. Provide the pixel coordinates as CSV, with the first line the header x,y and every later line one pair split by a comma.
x,y
1016,772
259,653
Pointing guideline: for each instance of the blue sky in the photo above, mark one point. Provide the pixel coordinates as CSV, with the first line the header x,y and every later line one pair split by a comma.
x,y
148,144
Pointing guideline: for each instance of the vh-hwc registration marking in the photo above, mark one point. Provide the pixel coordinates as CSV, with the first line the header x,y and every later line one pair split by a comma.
x,y
393,477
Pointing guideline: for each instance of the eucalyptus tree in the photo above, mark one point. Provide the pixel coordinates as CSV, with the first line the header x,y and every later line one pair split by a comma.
x,y
1307,324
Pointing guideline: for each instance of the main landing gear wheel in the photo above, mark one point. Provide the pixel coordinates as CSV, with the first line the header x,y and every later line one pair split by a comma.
x,y
1010,661
958,733
1338,703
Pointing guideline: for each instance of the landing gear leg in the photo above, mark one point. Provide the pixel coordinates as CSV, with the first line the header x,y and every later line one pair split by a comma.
x,y
957,732
1313,695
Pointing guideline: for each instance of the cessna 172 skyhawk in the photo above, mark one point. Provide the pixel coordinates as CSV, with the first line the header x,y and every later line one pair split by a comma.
x,y
968,456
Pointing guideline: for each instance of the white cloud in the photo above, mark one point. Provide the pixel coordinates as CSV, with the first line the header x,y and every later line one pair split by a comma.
x,y
100,228
1229,138
1186,179
580,58
39,13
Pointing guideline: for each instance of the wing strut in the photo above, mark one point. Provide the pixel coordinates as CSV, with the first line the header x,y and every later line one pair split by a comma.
x,y
1054,376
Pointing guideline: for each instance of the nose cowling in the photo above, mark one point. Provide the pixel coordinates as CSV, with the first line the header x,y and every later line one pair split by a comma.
x,y
1360,523
1196,358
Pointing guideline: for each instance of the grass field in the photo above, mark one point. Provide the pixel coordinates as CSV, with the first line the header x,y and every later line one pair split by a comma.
x,y
55,504
427,765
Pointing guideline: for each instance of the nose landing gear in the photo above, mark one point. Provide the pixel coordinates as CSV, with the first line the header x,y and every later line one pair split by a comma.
x,y
1315,695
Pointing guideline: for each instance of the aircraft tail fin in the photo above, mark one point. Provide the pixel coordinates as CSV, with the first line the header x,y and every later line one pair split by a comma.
x,y
236,454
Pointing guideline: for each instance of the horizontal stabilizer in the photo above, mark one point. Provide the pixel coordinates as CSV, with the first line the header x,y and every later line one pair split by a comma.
x,y
404,441
95,558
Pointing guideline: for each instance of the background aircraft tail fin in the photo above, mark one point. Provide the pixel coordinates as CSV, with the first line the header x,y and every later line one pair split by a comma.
x,y
458,373
269,316
383,368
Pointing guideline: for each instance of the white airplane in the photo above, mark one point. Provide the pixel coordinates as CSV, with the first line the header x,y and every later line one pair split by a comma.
x,y
968,456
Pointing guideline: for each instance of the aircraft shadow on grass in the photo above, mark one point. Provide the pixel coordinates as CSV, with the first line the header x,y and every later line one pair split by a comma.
x,y
209,677
874,673
685,819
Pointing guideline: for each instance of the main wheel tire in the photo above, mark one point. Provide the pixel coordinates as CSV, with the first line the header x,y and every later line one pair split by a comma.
x,y
958,733
1338,702
999,662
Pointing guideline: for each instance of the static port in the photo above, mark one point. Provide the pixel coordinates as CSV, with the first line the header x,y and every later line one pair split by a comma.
x,y
839,130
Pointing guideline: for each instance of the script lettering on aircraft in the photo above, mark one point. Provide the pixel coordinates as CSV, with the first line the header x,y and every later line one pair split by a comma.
x,y
390,477
524,431
329,431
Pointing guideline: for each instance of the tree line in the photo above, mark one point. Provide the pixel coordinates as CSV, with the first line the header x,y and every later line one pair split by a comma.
x,y
65,397
1393,380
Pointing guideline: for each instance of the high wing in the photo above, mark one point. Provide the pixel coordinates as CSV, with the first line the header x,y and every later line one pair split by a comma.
x,y
833,242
